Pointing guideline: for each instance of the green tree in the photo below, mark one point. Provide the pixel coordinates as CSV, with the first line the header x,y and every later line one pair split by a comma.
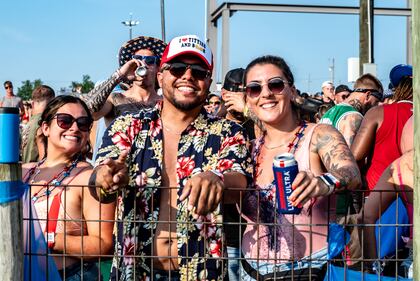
x,y
84,87
25,91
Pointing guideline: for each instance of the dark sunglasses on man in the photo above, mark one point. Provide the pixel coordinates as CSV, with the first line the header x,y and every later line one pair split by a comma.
x,y
8,87
275,85
372,92
178,69
149,60
65,121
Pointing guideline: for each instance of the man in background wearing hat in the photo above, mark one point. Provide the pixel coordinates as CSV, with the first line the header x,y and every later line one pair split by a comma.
x,y
214,105
234,98
341,93
176,144
327,88
379,137
139,60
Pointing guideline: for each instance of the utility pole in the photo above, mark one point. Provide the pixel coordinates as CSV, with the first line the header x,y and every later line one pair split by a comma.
x,y
162,19
366,28
130,23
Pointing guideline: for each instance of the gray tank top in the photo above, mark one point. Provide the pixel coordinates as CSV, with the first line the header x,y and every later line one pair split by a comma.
x,y
11,102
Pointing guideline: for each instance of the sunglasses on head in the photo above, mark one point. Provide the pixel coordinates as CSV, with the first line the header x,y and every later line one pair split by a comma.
x,y
275,85
178,69
149,60
65,121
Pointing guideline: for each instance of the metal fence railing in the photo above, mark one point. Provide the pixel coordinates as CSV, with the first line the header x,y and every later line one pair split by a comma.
x,y
292,247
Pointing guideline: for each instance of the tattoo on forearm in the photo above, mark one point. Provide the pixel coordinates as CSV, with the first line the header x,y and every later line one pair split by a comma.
x,y
97,97
335,153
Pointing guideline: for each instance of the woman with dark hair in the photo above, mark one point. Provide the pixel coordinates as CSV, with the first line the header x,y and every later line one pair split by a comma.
x,y
60,202
279,245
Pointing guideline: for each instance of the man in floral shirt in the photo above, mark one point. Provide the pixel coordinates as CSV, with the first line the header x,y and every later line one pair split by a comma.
x,y
173,233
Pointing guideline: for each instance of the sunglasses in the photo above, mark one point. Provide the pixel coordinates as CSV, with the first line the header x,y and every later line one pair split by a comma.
x,y
275,85
214,102
178,69
65,121
149,60
8,87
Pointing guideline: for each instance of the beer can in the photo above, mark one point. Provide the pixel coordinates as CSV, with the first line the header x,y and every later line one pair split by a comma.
x,y
285,169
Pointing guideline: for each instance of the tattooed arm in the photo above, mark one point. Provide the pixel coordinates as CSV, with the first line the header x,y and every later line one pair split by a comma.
x,y
337,159
336,156
97,99
349,125
365,138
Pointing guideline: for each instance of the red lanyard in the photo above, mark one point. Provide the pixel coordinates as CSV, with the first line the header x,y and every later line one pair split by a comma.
x,y
52,219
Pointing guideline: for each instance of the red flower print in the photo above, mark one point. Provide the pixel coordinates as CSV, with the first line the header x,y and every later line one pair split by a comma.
x,y
195,133
216,248
155,127
238,139
224,164
128,250
124,140
184,167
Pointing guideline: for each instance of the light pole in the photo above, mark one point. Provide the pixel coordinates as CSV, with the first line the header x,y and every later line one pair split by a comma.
x,y
130,23
162,18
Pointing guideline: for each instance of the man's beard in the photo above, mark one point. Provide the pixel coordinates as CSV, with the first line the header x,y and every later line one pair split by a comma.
x,y
186,106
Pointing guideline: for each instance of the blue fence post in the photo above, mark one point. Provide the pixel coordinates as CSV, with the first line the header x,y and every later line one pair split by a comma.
x,y
11,236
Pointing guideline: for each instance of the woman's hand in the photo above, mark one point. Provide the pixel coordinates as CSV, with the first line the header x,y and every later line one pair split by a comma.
x,y
306,186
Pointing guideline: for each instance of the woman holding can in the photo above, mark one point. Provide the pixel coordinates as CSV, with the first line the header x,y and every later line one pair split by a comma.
x,y
64,216
276,244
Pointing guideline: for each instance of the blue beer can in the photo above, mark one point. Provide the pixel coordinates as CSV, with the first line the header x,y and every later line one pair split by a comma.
x,y
285,169
9,135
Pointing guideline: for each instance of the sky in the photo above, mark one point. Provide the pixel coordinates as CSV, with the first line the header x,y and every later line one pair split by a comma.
x,y
60,41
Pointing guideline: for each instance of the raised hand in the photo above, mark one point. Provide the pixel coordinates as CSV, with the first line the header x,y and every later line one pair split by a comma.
x,y
112,175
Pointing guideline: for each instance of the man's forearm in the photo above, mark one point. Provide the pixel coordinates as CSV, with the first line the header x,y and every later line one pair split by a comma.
x,y
97,97
235,185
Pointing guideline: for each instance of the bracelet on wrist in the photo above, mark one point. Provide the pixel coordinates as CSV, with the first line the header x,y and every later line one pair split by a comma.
x,y
331,182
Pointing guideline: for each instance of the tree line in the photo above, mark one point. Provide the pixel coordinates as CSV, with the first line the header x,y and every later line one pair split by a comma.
x,y
25,90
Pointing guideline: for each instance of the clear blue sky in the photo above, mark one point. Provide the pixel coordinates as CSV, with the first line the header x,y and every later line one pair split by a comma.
x,y
60,41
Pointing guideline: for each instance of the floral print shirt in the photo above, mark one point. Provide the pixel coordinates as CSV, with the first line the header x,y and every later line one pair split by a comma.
x,y
208,143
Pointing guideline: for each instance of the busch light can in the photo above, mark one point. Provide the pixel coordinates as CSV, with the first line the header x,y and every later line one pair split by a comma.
x,y
285,169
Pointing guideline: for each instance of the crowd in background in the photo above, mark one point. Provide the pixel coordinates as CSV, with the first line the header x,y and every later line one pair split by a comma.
x,y
155,122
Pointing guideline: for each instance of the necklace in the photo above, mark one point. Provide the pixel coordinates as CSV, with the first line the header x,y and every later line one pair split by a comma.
x,y
294,143
54,182
171,131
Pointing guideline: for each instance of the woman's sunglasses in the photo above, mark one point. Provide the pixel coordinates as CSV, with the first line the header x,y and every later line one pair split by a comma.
x,y
149,60
178,69
65,121
275,85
